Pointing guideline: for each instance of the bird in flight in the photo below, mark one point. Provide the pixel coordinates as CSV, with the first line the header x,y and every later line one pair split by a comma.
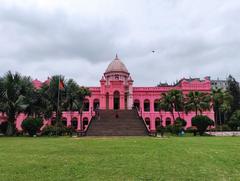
x,y
153,51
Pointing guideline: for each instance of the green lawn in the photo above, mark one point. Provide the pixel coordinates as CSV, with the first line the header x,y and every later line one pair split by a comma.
x,y
120,158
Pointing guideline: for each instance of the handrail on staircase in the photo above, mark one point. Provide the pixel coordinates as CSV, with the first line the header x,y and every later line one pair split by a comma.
x,y
94,115
140,117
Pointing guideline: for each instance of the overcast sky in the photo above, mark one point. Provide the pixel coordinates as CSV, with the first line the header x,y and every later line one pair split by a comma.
x,y
191,38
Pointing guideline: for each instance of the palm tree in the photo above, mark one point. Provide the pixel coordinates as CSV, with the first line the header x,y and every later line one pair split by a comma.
x,y
53,96
172,101
222,101
82,93
198,102
75,96
217,97
226,105
57,100
36,105
14,95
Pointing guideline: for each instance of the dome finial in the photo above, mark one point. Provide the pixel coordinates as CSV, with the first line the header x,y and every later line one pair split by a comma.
x,y
116,58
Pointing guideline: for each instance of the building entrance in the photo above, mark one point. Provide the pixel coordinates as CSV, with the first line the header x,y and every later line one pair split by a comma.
x,y
116,100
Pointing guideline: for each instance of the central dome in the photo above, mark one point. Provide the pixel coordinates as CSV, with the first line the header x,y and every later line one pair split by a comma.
x,y
116,66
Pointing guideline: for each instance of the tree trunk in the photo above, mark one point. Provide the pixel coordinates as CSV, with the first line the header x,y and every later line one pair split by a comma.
x,y
10,128
220,119
173,116
179,114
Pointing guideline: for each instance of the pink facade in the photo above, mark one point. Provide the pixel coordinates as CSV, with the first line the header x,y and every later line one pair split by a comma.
x,y
116,91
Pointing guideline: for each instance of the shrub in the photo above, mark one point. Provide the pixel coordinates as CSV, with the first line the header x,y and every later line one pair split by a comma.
x,y
223,127
234,122
178,126
48,130
161,130
54,130
202,123
181,121
168,128
3,127
58,130
70,130
32,125
192,129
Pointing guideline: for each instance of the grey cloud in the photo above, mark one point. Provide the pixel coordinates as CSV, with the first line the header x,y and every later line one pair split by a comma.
x,y
191,38
32,35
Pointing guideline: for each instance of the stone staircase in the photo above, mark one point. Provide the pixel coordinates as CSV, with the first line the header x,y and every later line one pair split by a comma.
x,y
107,124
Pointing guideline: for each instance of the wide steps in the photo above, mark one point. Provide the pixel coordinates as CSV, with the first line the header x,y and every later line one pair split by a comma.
x,y
127,124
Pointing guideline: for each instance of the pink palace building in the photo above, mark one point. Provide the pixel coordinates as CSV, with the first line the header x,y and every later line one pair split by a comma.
x,y
117,92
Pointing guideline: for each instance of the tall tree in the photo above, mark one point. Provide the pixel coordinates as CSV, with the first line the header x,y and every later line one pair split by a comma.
x,y
58,99
53,96
14,95
75,96
172,101
225,108
36,105
221,104
198,102
233,89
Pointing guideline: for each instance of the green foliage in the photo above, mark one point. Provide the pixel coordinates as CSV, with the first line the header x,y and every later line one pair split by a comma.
x,y
36,104
172,100
222,101
233,89
68,99
191,129
169,128
176,129
161,129
51,130
202,123
177,126
181,122
198,102
75,96
58,130
15,91
234,122
70,130
32,125
223,127
53,97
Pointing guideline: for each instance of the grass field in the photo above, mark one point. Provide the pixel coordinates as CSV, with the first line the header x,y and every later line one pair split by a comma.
x,y
120,158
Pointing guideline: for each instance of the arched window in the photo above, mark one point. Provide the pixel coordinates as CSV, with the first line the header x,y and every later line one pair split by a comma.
x,y
96,104
147,121
85,123
168,121
86,105
146,105
157,105
136,104
74,123
64,121
157,122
